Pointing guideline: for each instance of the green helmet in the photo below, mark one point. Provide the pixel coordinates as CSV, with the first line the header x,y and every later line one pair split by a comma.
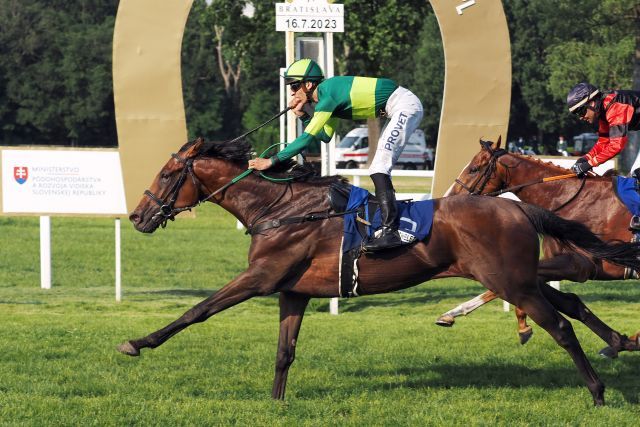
x,y
303,70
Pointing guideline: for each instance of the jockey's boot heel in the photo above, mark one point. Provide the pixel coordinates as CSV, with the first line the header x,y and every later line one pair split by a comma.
x,y
387,237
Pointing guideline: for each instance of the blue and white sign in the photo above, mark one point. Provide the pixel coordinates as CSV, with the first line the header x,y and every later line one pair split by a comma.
x,y
62,182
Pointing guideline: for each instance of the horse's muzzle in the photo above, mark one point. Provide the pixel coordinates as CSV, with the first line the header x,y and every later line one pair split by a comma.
x,y
142,224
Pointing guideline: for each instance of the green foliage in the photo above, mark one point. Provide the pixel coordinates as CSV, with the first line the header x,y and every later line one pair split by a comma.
x,y
426,70
202,86
259,111
555,45
55,73
378,33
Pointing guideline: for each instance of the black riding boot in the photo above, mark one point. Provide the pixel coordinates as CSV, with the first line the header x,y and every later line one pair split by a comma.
x,y
388,237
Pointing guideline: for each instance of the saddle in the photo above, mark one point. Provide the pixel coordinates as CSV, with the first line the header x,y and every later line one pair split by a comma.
x,y
339,193
362,217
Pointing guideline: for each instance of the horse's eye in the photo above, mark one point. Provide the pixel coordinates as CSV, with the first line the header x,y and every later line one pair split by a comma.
x,y
164,177
474,169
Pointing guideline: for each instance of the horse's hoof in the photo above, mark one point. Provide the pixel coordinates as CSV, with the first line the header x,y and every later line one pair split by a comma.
x,y
609,352
128,349
525,335
446,320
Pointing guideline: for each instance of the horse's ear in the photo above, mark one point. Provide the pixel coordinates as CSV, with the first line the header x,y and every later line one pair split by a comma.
x,y
499,142
195,148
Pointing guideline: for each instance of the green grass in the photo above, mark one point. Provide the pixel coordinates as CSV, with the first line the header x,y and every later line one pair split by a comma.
x,y
382,361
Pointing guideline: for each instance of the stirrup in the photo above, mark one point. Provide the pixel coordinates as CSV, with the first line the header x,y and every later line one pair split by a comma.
x,y
386,239
634,224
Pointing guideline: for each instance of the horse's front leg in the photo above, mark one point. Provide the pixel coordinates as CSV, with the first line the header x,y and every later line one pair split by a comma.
x,y
257,280
448,319
524,330
292,307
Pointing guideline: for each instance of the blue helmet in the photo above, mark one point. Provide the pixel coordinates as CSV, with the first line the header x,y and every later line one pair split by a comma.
x,y
580,95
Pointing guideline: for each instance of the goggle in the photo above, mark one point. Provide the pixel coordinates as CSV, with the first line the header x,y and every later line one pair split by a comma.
x,y
582,111
296,85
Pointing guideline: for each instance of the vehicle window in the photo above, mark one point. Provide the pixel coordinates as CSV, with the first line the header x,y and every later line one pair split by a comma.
x,y
347,141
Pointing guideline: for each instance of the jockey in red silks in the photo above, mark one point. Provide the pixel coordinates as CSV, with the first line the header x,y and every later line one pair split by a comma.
x,y
617,112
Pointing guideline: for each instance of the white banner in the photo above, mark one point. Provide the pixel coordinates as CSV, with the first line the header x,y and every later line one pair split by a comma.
x,y
313,16
62,182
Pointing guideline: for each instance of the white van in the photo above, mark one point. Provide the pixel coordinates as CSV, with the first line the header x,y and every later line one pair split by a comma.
x,y
353,151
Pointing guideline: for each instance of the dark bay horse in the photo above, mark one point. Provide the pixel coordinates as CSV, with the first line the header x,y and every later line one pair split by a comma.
x,y
591,202
301,260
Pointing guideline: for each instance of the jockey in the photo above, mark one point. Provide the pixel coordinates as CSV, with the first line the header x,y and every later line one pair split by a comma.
x,y
617,113
353,98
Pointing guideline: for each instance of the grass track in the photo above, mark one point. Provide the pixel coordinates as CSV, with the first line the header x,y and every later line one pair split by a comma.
x,y
381,362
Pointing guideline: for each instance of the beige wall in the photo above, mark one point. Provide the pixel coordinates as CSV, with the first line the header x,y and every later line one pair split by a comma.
x,y
147,88
477,88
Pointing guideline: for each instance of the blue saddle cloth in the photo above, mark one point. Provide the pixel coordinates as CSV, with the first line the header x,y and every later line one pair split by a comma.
x,y
627,191
415,218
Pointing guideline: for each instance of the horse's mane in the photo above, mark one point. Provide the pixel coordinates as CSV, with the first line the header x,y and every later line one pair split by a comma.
x,y
240,151
551,165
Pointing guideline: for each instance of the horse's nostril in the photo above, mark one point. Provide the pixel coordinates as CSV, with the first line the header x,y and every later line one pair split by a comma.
x,y
134,218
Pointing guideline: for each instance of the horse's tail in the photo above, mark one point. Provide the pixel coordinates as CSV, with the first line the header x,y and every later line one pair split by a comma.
x,y
577,235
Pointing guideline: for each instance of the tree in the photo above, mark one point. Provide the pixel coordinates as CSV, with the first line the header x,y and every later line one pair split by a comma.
x,y
55,73
380,32
202,88
426,74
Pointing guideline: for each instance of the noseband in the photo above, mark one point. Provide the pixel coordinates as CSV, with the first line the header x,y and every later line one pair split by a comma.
x,y
483,180
168,211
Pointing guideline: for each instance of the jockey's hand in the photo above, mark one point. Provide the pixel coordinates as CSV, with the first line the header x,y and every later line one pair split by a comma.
x,y
296,106
260,164
581,167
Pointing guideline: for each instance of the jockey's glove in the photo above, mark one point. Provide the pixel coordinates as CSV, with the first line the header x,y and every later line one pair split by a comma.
x,y
581,167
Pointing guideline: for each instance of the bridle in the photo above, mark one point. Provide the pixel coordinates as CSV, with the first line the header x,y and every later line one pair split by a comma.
x,y
168,211
491,168
481,182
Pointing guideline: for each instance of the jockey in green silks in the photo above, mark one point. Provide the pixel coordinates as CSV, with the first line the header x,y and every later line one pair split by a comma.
x,y
353,98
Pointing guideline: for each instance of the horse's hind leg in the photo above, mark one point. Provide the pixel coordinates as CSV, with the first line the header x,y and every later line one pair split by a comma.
x,y
543,313
572,306
243,287
292,308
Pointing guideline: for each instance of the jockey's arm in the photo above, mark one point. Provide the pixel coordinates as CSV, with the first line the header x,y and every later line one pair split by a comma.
x,y
318,128
612,134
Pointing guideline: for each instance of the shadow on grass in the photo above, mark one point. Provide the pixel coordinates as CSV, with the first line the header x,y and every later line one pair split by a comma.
x,y
623,379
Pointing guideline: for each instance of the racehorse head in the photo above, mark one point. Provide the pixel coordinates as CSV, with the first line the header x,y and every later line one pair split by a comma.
x,y
185,181
483,173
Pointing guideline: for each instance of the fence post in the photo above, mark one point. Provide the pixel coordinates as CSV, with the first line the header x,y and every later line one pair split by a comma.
x,y
45,252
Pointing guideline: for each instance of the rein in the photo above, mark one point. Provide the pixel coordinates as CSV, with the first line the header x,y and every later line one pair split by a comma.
x,y
540,181
168,211
491,168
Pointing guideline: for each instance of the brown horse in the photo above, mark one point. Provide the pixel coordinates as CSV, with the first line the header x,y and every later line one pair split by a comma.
x,y
301,260
591,202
